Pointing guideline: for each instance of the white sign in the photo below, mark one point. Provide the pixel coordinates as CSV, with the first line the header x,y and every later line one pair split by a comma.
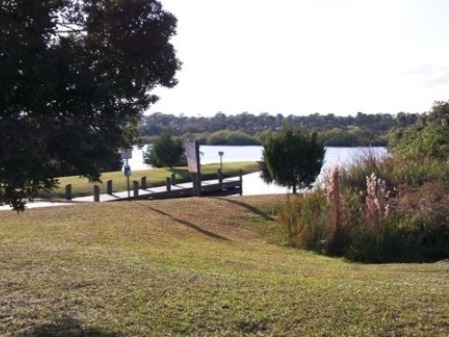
x,y
126,153
192,155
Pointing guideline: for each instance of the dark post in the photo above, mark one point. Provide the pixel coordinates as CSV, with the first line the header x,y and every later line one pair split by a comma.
x,y
241,182
193,176
143,183
109,187
96,193
173,180
221,153
198,174
136,188
168,184
127,174
220,176
68,192
196,184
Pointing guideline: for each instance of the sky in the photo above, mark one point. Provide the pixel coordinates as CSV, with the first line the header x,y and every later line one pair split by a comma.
x,y
308,56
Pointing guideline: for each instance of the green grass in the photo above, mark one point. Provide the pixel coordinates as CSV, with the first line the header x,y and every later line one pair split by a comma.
x,y
155,177
198,267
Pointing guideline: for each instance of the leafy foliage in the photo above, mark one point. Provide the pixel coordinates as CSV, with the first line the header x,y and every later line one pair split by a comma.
x,y
165,151
293,158
75,78
428,138
392,209
227,137
360,130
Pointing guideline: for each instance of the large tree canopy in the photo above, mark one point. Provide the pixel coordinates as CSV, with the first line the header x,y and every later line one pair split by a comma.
x,y
75,78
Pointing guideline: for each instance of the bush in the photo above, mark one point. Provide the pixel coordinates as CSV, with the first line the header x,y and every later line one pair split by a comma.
x,y
227,137
303,220
293,158
354,176
379,225
382,242
426,210
166,151
379,210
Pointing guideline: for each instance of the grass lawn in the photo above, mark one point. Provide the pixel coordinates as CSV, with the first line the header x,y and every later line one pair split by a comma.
x,y
198,267
155,177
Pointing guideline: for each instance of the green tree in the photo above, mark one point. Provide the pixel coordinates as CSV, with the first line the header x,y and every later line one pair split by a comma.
x,y
293,158
166,150
75,78
427,139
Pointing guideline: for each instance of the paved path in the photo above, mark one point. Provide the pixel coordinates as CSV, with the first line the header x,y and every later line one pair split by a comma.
x,y
39,204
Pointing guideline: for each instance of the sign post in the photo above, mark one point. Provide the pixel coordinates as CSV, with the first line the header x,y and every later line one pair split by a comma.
x,y
126,154
221,153
127,172
193,162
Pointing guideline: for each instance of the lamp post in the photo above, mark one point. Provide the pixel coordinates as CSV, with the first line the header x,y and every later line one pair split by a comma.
x,y
221,153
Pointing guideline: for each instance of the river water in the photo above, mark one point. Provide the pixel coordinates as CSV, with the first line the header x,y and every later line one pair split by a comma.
x,y
252,184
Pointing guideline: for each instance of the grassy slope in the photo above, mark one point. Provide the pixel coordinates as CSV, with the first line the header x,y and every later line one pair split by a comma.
x,y
198,267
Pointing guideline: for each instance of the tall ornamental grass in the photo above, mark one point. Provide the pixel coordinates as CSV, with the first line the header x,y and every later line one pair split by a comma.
x,y
376,211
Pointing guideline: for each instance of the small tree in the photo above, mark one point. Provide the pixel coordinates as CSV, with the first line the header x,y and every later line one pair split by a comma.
x,y
427,139
293,158
166,150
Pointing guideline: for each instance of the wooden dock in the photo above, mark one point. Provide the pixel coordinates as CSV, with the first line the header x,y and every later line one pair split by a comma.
x,y
217,187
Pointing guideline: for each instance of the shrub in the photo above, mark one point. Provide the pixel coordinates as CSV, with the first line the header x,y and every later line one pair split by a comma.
x,y
227,137
426,211
379,210
382,242
293,158
372,226
166,151
303,220
354,176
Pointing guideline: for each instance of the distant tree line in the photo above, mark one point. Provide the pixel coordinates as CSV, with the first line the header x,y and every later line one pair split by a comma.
x,y
249,129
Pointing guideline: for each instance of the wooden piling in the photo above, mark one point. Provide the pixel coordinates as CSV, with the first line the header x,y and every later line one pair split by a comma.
x,y
96,193
109,187
68,192
143,183
136,188
168,184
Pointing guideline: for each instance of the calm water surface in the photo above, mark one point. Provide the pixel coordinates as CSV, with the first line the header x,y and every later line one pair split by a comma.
x,y
252,184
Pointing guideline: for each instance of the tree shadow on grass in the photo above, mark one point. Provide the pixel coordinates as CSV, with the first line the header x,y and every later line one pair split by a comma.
x,y
253,209
67,327
186,223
